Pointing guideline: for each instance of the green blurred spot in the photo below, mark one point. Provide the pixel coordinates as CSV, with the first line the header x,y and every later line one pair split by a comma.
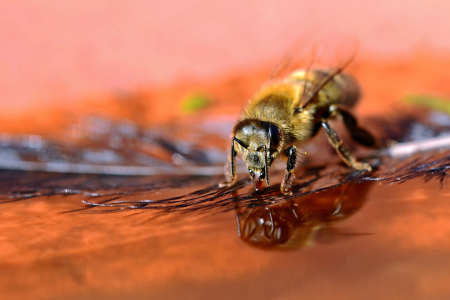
x,y
194,103
433,102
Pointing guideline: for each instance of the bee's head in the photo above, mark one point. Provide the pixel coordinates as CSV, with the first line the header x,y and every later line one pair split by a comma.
x,y
259,142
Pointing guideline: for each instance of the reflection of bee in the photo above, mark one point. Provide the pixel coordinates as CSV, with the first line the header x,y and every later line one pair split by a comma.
x,y
292,110
300,221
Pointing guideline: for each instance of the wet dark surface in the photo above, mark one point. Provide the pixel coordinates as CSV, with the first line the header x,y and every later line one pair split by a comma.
x,y
385,241
342,234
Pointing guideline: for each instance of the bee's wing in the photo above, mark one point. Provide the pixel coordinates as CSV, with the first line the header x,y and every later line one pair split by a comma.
x,y
320,55
293,60
311,90
330,53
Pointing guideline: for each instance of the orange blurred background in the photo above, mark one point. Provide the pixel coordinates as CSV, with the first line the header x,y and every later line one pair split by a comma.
x,y
58,53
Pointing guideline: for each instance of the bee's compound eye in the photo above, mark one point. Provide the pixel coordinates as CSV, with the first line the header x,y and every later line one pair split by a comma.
x,y
251,173
274,134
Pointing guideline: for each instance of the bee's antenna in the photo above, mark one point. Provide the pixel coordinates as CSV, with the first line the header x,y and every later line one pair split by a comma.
x,y
328,79
267,165
265,155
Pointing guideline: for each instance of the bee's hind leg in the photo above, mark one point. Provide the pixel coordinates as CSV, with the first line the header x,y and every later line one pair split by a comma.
x,y
357,133
342,150
291,153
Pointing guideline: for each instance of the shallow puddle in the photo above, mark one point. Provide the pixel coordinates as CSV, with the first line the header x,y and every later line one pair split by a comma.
x,y
370,241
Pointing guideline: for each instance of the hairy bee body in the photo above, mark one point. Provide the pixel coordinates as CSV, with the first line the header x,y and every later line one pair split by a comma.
x,y
292,110
277,102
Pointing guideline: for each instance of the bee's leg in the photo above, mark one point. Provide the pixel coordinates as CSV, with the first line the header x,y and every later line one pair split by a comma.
x,y
232,175
342,150
289,176
357,133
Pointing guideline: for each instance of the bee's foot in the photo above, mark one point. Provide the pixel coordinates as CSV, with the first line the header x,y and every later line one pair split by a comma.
x,y
224,184
368,168
287,183
286,189
362,167
227,184
286,192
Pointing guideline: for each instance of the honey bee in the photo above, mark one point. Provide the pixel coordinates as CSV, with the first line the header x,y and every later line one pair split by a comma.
x,y
291,110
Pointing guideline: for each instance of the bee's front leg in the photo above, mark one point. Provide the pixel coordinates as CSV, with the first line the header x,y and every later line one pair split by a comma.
x,y
232,174
291,153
